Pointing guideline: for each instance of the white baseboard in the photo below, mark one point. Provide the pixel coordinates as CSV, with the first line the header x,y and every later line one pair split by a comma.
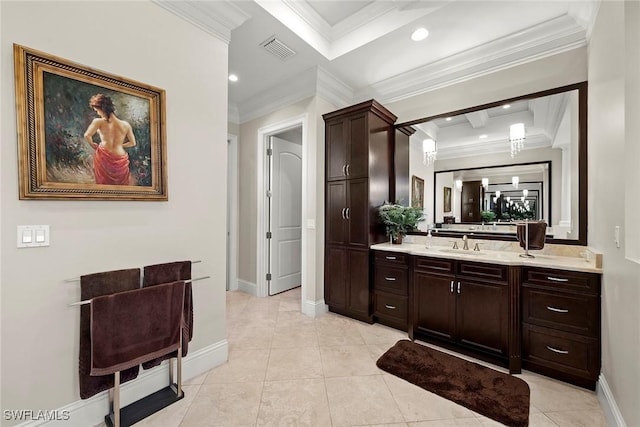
x,y
314,308
248,287
91,412
609,406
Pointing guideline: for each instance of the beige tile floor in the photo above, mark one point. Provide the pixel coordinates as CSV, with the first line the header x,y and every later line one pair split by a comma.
x,y
286,369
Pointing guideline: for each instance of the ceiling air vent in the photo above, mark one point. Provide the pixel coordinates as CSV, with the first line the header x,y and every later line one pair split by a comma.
x,y
277,48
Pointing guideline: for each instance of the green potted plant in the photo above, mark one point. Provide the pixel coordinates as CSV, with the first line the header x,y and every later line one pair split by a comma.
x,y
487,216
399,219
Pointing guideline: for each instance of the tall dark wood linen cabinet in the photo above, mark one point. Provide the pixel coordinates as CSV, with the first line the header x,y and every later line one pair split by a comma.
x,y
359,144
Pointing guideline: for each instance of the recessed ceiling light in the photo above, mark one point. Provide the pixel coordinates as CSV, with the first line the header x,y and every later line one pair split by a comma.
x,y
483,136
448,119
505,106
233,78
419,34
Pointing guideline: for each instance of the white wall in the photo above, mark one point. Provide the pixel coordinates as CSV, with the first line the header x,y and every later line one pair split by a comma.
x,y
632,127
419,169
609,146
143,42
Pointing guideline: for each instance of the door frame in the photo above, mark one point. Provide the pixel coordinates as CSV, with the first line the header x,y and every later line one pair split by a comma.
x,y
232,209
262,287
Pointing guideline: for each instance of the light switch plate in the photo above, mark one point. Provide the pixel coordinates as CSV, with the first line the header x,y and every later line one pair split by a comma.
x,y
31,236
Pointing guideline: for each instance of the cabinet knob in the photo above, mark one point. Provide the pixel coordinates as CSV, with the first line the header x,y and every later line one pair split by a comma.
x,y
343,209
458,287
557,279
347,169
390,257
347,213
344,170
390,279
452,286
557,310
390,307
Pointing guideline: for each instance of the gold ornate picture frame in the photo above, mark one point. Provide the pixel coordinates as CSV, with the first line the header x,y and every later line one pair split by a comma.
x,y
417,192
85,134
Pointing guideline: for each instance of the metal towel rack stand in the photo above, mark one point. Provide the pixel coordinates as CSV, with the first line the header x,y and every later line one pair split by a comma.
x,y
148,405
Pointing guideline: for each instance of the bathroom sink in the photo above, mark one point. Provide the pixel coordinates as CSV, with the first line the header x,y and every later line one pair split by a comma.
x,y
460,252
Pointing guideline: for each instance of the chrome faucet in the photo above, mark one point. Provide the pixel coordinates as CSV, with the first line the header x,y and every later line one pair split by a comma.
x,y
465,241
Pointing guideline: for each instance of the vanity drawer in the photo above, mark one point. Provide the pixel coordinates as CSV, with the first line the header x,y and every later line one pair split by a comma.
x,y
434,265
391,258
562,279
570,312
391,307
480,270
560,351
391,279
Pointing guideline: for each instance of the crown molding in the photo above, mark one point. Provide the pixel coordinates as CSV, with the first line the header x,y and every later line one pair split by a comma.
x,y
217,18
585,13
552,37
233,115
371,22
367,14
497,146
314,81
333,89
295,89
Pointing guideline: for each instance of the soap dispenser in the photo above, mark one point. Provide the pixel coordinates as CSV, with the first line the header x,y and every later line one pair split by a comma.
x,y
429,240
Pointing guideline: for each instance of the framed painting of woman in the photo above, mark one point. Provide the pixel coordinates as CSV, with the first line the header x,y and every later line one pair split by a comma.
x,y
86,134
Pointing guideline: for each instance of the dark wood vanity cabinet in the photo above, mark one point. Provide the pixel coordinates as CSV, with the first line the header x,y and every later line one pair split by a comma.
x,y
561,324
391,289
463,303
359,164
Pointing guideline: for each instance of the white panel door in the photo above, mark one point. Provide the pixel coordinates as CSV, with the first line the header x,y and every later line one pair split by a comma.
x,y
286,216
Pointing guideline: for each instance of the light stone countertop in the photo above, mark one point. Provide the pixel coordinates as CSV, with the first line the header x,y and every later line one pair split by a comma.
x,y
495,257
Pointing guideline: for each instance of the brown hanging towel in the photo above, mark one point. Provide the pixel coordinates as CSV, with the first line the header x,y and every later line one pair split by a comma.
x,y
129,328
537,234
165,273
92,286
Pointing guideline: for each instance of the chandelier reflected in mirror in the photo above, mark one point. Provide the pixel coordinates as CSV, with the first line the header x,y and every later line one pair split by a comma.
x,y
516,137
429,148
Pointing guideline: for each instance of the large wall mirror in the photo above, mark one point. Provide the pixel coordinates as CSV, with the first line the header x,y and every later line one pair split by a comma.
x,y
490,166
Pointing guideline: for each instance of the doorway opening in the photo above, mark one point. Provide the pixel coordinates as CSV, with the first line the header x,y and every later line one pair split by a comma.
x,y
284,211
281,201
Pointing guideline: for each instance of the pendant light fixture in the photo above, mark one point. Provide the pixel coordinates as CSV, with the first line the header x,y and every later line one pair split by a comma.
x,y
430,150
516,137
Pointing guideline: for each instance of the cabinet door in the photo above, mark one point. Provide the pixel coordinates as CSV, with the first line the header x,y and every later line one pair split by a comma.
x,y
358,213
434,305
337,149
335,277
471,201
358,146
336,208
482,315
358,286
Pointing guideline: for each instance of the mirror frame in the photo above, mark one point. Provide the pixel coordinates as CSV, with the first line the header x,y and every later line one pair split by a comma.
x,y
581,87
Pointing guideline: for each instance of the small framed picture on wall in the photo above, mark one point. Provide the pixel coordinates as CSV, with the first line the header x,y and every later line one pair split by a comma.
x,y
447,199
417,192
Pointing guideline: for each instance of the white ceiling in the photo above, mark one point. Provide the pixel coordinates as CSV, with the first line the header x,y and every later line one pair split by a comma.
x,y
348,51
547,122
